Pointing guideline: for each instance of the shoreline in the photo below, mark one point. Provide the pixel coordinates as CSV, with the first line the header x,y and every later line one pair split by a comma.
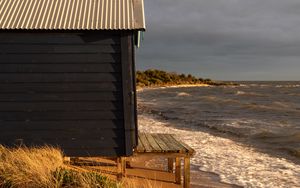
x,y
172,86
235,161
199,177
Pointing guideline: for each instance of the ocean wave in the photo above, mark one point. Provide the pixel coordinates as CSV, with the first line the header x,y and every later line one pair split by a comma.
x,y
219,99
183,94
294,151
281,105
236,162
240,93
274,106
260,85
288,86
280,137
254,94
294,94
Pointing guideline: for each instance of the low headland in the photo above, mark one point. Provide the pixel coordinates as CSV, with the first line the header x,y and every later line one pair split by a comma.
x,y
153,78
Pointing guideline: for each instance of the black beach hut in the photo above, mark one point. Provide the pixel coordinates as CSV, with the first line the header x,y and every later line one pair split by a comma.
x,y
67,74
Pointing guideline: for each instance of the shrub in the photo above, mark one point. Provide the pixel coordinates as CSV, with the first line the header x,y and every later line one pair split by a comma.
x,y
153,77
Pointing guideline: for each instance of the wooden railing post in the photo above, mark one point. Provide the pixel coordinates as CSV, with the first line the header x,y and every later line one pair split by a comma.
x,y
170,164
186,172
178,170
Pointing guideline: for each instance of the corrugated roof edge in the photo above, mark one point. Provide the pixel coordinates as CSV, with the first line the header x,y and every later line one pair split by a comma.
x,y
33,29
132,16
139,14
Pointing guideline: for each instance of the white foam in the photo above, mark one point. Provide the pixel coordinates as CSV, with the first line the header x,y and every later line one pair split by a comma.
x,y
183,94
234,162
288,86
240,93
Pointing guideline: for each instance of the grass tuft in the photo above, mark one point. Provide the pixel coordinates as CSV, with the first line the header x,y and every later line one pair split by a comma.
x,y
43,167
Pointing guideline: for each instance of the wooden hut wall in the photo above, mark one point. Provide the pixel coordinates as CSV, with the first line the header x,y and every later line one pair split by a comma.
x,y
73,90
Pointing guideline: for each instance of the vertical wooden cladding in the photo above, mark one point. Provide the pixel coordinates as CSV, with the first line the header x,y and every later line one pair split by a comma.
x,y
67,90
128,91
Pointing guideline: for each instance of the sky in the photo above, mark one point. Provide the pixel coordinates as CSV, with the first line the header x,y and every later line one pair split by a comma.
x,y
223,39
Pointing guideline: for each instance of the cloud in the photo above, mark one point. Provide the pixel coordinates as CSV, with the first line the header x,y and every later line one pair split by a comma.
x,y
223,39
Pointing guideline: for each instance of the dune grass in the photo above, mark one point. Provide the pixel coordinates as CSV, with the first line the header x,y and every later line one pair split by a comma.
x,y
43,167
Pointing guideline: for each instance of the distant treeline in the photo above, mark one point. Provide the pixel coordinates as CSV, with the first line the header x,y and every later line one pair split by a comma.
x,y
153,77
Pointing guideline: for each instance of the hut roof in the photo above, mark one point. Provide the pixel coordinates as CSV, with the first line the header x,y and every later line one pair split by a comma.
x,y
72,14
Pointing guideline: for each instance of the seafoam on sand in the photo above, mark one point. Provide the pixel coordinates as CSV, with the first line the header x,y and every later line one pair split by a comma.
x,y
234,162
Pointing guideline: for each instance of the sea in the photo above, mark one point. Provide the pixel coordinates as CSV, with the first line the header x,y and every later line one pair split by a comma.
x,y
249,134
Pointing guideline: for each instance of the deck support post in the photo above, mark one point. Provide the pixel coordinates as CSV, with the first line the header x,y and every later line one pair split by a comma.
x,y
175,151
74,160
67,160
170,164
186,172
178,170
121,166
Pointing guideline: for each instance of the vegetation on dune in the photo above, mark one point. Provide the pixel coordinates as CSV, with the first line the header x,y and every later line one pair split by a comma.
x,y
153,77
43,167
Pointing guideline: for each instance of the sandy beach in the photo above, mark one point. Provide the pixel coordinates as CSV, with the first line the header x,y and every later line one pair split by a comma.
x,y
140,89
234,162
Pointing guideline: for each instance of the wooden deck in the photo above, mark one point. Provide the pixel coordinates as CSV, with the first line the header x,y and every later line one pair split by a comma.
x,y
166,145
158,147
162,143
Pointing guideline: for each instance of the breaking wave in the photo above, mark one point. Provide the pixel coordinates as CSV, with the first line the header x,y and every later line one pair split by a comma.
x,y
250,135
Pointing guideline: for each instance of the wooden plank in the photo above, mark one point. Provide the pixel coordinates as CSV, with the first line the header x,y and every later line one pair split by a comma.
x,y
97,161
107,152
162,154
140,146
176,143
61,124
58,38
171,147
63,130
62,48
60,68
82,143
190,150
60,58
59,87
127,81
62,97
59,106
153,143
134,94
58,77
71,134
43,116
149,174
109,171
161,143
145,142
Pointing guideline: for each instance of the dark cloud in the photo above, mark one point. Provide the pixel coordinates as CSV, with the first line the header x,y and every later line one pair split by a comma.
x,y
223,39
